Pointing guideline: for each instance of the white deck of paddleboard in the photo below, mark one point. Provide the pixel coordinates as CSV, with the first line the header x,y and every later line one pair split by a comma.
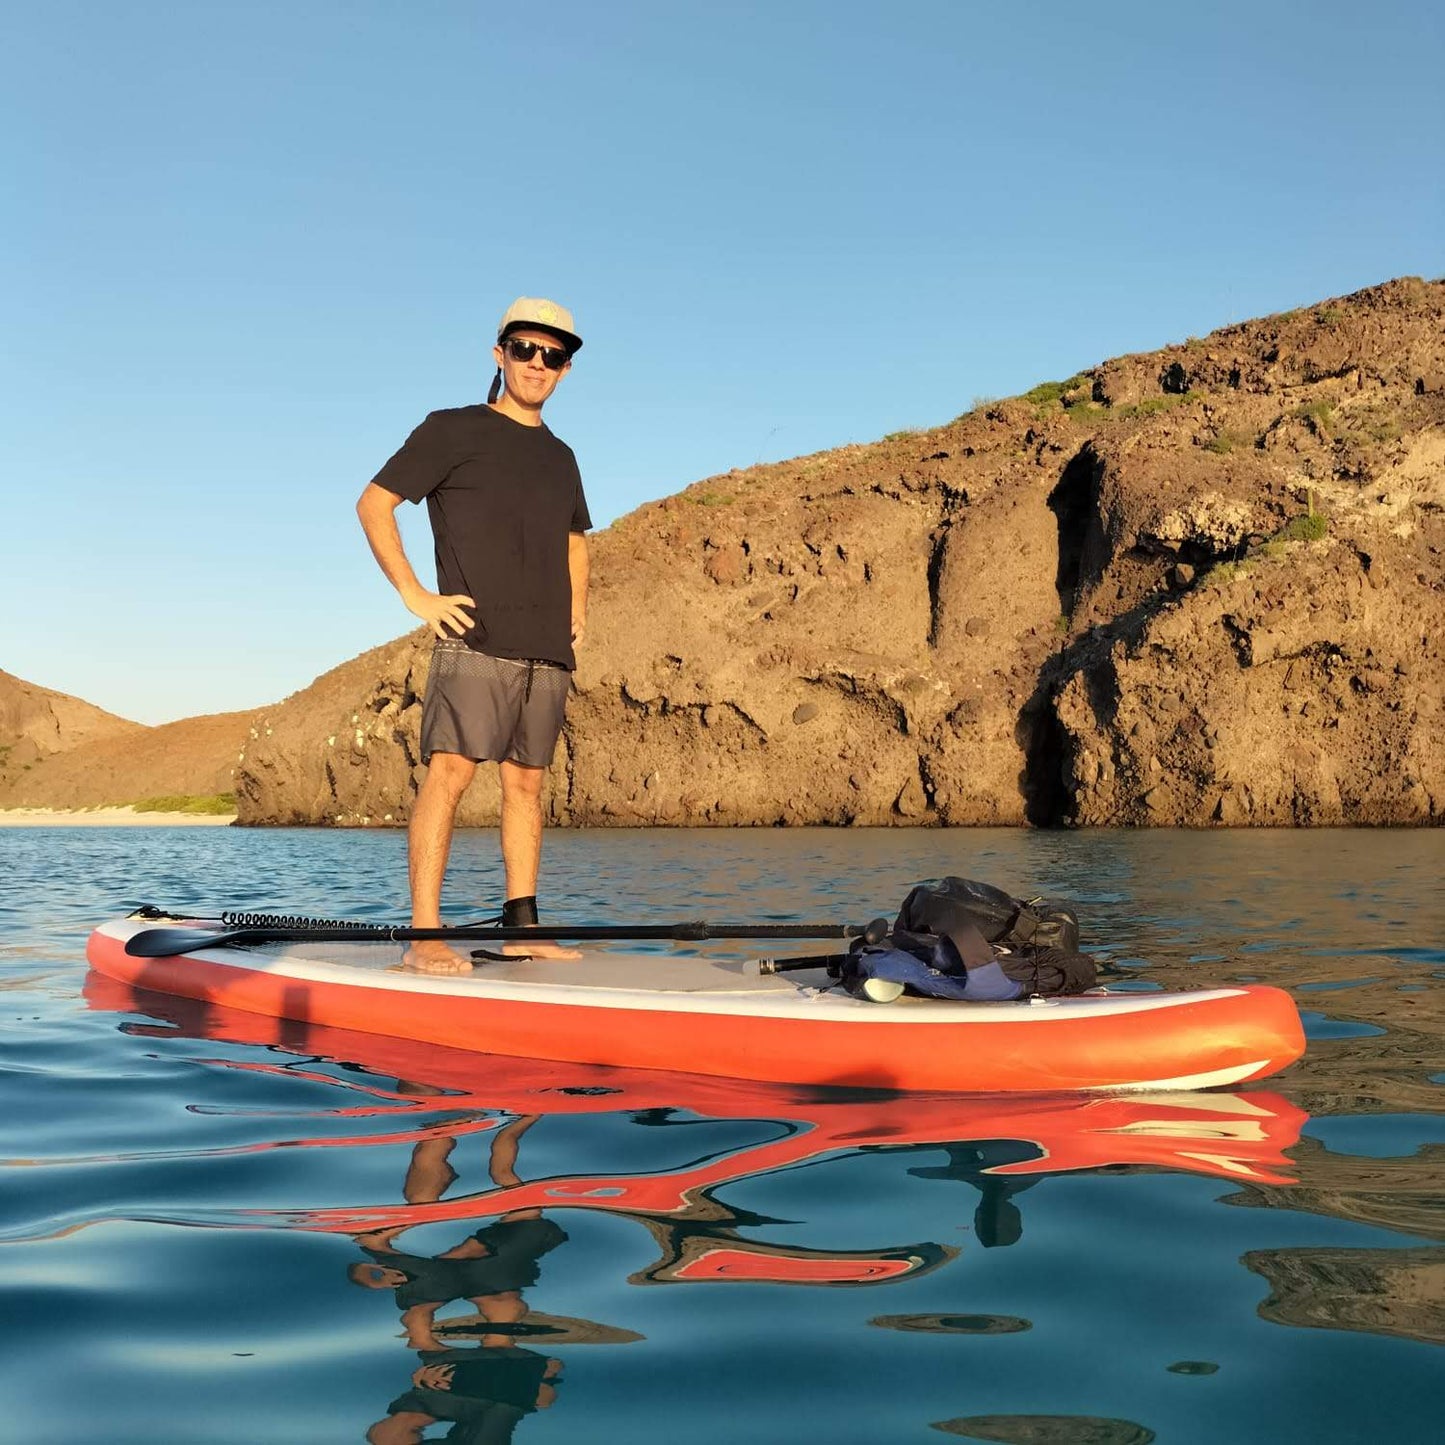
x,y
660,982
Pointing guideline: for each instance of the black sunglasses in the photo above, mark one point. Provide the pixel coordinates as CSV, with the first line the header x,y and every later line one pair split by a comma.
x,y
554,358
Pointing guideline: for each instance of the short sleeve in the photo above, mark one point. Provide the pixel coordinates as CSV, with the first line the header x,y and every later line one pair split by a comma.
x,y
581,517
421,464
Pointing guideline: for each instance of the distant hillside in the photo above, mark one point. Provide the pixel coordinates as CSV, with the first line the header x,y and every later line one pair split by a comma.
x,y
1198,586
59,752
36,722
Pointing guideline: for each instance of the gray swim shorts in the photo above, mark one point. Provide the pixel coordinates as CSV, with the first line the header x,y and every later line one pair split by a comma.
x,y
492,709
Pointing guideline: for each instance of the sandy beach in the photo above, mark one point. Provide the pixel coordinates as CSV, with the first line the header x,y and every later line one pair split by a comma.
x,y
108,818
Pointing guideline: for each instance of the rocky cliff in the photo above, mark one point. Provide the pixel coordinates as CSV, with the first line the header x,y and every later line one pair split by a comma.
x,y
1199,586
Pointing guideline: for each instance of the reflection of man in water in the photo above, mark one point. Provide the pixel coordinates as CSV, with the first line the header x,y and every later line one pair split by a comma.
x,y
485,1392
488,1389
996,1220
491,1268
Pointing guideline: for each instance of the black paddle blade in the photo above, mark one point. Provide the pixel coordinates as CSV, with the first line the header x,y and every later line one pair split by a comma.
x,y
168,942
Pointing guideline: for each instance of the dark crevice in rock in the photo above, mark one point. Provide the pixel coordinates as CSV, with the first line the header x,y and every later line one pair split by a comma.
x,y
1101,684
402,738
930,785
1239,640
1045,746
955,500
569,776
1074,502
1174,380
938,548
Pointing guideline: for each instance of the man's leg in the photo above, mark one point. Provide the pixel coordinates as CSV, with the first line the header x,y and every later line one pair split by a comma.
x,y
522,842
521,827
429,837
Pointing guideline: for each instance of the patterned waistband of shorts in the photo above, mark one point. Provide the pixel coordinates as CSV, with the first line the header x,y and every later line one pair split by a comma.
x,y
449,644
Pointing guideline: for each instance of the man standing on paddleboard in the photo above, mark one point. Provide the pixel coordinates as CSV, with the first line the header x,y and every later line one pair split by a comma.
x,y
509,520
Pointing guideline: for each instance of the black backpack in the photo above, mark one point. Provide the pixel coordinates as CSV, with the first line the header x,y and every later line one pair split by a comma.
x,y
1035,942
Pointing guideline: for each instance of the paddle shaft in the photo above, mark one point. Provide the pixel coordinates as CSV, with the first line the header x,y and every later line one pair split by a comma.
x,y
167,942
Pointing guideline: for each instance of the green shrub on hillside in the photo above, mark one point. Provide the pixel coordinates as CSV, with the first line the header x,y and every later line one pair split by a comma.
x,y
1153,405
1227,441
1048,394
1223,573
1313,527
1320,411
217,803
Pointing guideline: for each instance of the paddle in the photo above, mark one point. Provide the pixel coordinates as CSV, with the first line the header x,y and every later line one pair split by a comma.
x,y
875,932
168,942
875,990
833,962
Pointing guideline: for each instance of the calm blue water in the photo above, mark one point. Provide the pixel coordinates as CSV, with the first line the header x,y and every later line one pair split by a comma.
x,y
204,1216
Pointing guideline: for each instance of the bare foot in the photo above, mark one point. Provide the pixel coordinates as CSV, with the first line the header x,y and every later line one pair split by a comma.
x,y
432,955
551,951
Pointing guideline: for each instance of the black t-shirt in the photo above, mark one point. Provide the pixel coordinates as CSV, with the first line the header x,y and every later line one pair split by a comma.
x,y
514,1246
491,1390
502,498
501,1375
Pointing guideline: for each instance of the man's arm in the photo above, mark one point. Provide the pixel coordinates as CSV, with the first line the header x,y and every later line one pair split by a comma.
x,y
377,511
578,566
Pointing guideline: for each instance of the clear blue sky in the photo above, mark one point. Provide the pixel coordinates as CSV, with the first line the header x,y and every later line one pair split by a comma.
x,y
244,248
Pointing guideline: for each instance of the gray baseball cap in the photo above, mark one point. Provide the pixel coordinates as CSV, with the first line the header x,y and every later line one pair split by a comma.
x,y
533,313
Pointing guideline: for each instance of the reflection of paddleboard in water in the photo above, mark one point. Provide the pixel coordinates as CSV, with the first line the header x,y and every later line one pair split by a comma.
x,y
994,1141
1047,1430
1237,1137
718,1016
953,1324
538,1331
714,1254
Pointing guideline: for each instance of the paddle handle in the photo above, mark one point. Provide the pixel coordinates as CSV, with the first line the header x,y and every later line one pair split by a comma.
x,y
874,932
831,961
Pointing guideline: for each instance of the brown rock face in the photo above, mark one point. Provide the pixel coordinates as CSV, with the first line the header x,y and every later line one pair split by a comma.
x,y
59,752
1203,586
36,723
108,761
